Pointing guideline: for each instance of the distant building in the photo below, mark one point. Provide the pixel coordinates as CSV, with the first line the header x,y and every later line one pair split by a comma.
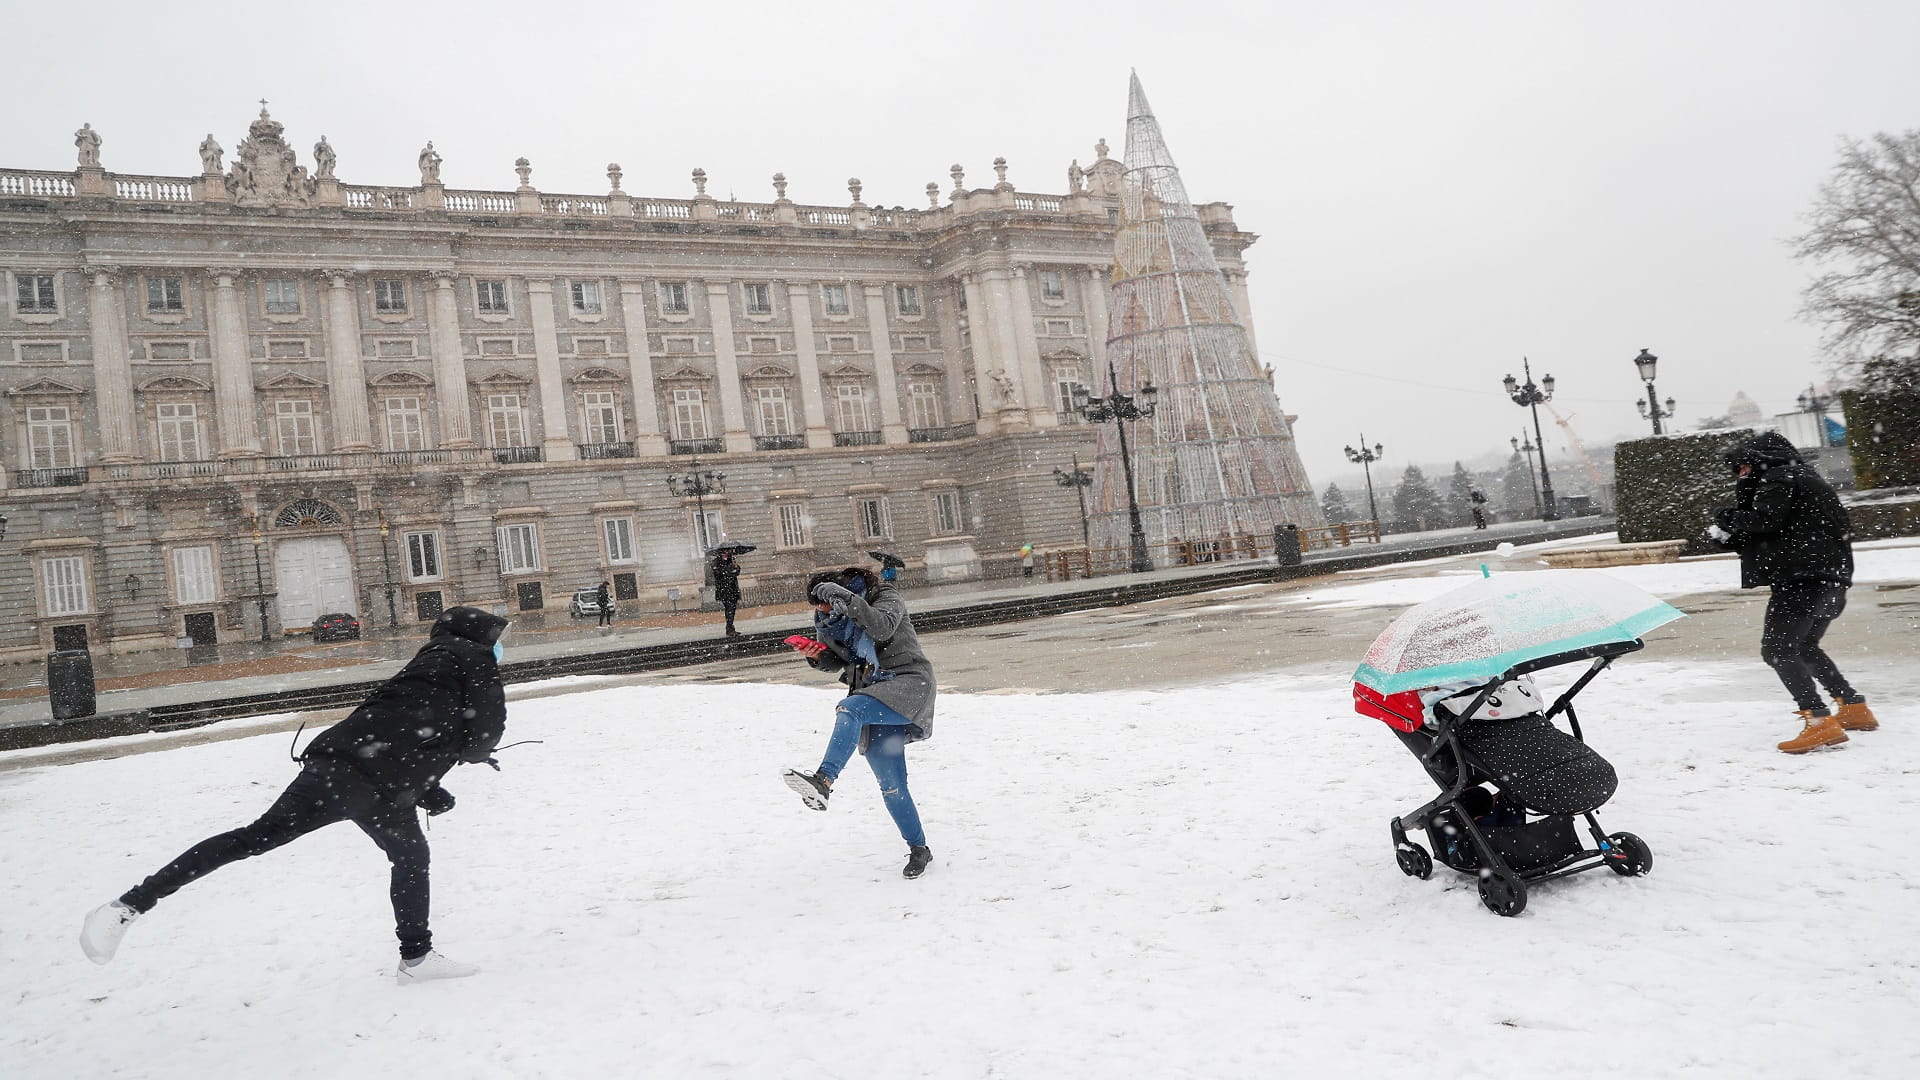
x,y
1742,412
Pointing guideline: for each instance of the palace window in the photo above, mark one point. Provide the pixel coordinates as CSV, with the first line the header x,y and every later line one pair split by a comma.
x,y
281,296
490,296
49,437
875,522
833,299
707,531
423,556
794,525
618,532
775,416
519,548
946,513
601,412
390,296
166,294
65,579
404,428
689,414
586,297
506,422
193,580
673,298
177,423
293,427
34,294
850,408
758,298
907,299
923,405
1052,287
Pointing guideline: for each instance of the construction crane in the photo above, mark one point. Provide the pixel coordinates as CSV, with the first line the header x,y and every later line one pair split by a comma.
x,y
1600,480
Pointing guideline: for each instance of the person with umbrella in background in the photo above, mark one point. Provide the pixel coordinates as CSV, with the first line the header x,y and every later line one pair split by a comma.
x,y
726,579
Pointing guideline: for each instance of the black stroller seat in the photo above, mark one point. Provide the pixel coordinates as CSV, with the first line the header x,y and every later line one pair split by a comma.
x,y
1537,765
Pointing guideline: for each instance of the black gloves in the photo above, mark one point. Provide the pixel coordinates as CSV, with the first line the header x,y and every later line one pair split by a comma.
x,y
436,800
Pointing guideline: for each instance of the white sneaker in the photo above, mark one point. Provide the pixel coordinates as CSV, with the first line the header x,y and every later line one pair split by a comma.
x,y
100,935
430,967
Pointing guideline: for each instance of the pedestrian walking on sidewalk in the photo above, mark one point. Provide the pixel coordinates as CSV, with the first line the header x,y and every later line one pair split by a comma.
x,y
373,769
1793,535
863,632
1026,560
726,586
604,598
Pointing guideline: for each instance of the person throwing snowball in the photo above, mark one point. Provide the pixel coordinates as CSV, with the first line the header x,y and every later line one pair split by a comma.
x,y
445,707
861,630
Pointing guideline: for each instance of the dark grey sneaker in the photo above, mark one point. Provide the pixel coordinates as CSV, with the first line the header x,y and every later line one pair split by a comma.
x,y
918,859
810,787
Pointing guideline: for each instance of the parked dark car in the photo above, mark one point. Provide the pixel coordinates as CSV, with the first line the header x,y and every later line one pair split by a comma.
x,y
338,626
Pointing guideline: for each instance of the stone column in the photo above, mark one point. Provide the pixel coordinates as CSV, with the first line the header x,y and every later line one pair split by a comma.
x,y
1243,307
647,439
733,417
1034,375
346,373
1099,284
812,405
112,369
998,318
232,370
449,365
980,337
555,443
892,430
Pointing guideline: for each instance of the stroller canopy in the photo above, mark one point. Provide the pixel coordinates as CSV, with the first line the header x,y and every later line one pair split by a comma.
x,y
1485,629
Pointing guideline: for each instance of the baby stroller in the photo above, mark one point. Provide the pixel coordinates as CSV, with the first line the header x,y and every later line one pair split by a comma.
x,y
1511,785
1453,678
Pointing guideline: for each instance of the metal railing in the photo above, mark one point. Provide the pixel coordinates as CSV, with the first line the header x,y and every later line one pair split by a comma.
x,y
599,451
694,446
72,476
1091,562
779,442
940,434
856,438
517,455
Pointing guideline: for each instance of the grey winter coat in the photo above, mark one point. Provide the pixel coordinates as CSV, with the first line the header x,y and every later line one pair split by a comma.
x,y
911,690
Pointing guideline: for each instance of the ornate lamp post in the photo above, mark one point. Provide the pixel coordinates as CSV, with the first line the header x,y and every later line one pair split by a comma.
x,y
386,560
1530,396
1121,408
1650,407
1524,446
1077,480
1365,457
1812,401
698,483
259,582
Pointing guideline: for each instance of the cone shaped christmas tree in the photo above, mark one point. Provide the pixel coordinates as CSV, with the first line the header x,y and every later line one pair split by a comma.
x,y
1214,464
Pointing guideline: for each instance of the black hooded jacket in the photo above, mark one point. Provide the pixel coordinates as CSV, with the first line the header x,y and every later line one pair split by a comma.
x,y
726,580
445,707
1787,523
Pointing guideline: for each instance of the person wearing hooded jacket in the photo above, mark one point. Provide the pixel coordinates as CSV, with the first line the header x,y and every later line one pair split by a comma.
x,y
445,707
1793,535
863,632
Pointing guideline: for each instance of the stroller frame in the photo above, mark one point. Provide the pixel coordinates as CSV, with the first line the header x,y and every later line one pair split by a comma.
x,y
1503,889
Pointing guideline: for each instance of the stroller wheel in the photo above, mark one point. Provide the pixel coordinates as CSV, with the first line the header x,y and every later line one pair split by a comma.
x,y
1414,860
1503,895
1630,856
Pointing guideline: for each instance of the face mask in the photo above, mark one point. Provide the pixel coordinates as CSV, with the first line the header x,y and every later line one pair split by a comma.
x,y
499,651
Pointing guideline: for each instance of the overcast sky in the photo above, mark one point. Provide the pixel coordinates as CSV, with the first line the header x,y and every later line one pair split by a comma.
x,y
1439,189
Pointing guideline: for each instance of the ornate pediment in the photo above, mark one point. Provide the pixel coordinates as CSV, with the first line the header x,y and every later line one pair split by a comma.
x,y
848,371
265,170
175,384
923,369
1063,353
770,371
505,378
293,380
406,379
599,375
686,374
46,388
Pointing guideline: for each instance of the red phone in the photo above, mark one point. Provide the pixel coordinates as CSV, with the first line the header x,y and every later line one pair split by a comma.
x,y
802,642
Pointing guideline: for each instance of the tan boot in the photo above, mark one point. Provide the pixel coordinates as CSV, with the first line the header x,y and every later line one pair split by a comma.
x,y
1818,731
1856,717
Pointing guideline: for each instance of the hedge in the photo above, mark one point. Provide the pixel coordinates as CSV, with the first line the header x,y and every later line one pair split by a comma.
x,y
1883,433
1667,487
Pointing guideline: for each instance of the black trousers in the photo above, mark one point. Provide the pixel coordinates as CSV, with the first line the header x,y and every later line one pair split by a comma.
x,y
1798,614
606,616
730,606
323,793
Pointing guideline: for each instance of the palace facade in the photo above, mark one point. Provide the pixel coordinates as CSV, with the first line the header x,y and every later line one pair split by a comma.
x,y
235,401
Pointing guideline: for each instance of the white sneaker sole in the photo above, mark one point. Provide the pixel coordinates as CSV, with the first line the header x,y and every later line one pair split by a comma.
x,y
804,788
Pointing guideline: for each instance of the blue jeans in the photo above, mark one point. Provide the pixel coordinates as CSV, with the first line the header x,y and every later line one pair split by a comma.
x,y
886,756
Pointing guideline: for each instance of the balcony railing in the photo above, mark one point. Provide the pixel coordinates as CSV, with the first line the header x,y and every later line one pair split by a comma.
x,y
599,450
41,478
694,446
856,438
516,455
779,442
940,434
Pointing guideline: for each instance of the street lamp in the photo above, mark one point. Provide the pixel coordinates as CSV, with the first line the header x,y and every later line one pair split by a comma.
x,y
259,582
1524,446
698,483
1530,396
1650,407
1365,457
386,560
1077,480
1812,401
1120,408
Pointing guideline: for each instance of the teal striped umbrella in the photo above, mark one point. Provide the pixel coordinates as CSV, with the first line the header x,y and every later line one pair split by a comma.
x,y
1484,629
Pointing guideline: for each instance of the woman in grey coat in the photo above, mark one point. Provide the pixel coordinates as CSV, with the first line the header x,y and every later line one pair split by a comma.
x,y
862,631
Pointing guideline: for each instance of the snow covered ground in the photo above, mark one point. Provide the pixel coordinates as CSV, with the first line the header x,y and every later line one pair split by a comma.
x,y
1142,884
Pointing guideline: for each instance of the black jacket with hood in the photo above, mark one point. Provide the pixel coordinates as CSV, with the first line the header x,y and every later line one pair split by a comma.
x,y
1787,523
445,707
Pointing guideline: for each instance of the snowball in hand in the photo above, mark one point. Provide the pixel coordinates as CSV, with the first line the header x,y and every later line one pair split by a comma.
x,y
1505,550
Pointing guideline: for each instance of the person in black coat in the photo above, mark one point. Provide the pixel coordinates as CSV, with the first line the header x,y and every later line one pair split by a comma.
x,y
446,707
726,587
603,597
1793,535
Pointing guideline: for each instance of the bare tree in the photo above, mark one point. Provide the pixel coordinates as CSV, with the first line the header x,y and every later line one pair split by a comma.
x,y
1865,226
